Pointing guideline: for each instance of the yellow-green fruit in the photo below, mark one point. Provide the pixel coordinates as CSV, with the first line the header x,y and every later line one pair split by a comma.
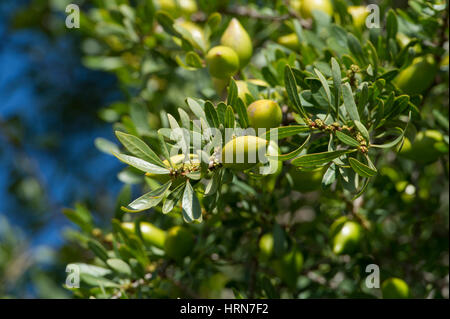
x,y
194,34
417,77
395,288
347,238
169,6
359,15
306,181
222,61
179,242
295,4
177,161
243,90
264,114
426,148
289,40
307,7
187,7
243,152
289,267
266,245
150,233
236,38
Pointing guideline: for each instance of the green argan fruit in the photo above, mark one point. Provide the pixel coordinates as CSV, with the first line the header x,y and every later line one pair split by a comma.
x,y
264,114
179,242
242,153
306,181
426,148
307,7
289,267
347,238
150,233
266,245
222,61
395,288
289,41
187,7
194,34
417,77
169,6
236,38
177,161
359,15
177,8
243,90
295,4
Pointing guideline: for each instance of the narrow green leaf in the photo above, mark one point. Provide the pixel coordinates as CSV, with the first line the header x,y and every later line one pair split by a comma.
x,y
141,164
286,131
391,24
106,146
232,93
337,80
325,85
288,156
148,200
191,205
330,176
362,129
229,117
118,265
361,169
349,102
196,108
347,139
291,89
211,115
167,23
317,159
173,198
213,184
241,110
139,148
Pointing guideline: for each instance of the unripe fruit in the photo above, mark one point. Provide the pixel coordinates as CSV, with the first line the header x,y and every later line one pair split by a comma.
x,y
347,237
222,61
295,4
426,148
150,233
306,181
264,114
359,15
194,34
417,77
179,243
236,38
266,245
187,7
169,6
243,90
395,288
307,7
242,153
176,8
289,267
290,41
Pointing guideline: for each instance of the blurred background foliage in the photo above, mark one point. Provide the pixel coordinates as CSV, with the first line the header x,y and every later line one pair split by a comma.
x,y
61,89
